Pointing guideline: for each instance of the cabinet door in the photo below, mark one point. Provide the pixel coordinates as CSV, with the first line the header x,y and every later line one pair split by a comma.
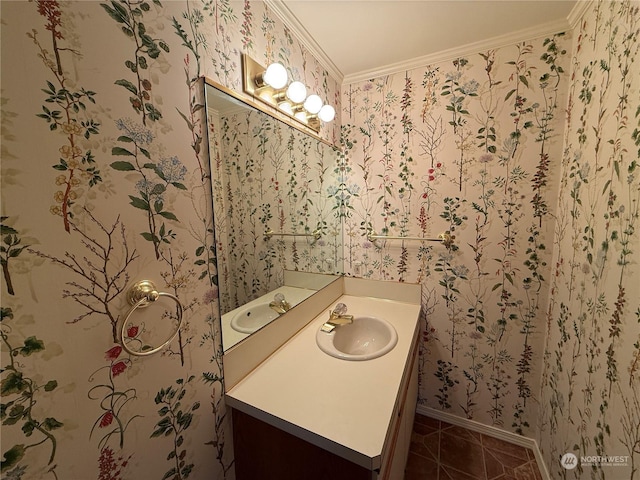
x,y
264,452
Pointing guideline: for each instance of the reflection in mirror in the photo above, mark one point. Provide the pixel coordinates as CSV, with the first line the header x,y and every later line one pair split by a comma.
x,y
250,317
273,216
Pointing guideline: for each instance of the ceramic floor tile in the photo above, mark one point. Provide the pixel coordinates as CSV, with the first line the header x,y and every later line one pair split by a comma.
x,y
448,473
509,474
445,425
493,466
469,435
423,429
427,421
506,447
442,451
420,468
426,445
524,472
432,444
461,454
507,460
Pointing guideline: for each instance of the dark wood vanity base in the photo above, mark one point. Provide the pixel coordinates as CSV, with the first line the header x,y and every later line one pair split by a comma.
x,y
267,453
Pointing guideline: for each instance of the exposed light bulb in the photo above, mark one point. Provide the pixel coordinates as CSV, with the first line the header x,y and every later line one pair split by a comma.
x,y
297,92
313,104
327,113
286,107
266,95
276,76
302,116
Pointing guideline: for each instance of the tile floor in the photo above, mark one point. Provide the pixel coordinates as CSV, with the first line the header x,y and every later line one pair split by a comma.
x,y
441,451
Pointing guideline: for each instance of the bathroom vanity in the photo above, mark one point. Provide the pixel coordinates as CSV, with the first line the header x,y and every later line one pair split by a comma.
x,y
301,413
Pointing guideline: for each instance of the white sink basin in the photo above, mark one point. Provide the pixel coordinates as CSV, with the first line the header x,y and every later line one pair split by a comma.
x,y
364,339
253,317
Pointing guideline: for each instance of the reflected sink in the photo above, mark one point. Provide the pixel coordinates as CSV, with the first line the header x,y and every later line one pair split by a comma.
x,y
253,317
364,339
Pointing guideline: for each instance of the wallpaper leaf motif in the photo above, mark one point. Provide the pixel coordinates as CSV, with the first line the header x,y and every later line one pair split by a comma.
x,y
194,118
68,116
216,381
154,182
129,15
225,18
457,106
174,420
11,248
247,26
21,390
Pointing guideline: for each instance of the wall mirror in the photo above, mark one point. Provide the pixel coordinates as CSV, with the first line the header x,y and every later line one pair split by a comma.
x,y
278,238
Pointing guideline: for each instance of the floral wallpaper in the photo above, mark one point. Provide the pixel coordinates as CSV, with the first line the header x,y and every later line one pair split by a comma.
x,y
468,147
268,176
106,181
590,402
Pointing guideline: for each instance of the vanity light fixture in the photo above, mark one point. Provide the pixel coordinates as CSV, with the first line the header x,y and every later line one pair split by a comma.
x,y
271,86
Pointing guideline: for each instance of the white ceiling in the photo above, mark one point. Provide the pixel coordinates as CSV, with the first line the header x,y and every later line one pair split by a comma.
x,y
359,37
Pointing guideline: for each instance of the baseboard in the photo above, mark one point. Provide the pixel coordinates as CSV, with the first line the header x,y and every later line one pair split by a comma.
x,y
490,431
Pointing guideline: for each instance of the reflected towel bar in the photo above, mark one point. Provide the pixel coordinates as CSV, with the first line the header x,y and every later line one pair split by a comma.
x,y
443,237
270,233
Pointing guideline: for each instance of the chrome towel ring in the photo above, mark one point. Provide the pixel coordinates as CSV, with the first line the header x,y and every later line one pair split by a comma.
x,y
141,295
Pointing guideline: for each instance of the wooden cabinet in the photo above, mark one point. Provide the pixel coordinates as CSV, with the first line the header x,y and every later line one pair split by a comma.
x,y
263,451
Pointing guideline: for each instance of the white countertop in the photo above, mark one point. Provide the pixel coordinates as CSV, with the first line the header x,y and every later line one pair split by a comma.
x,y
340,405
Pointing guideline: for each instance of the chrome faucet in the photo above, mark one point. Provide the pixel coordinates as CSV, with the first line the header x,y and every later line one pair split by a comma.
x,y
337,317
279,304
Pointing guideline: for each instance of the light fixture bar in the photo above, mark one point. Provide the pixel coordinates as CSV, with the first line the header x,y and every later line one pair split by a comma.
x,y
252,84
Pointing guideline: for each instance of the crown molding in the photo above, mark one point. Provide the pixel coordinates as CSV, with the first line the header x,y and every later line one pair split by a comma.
x,y
468,49
290,20
578,11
